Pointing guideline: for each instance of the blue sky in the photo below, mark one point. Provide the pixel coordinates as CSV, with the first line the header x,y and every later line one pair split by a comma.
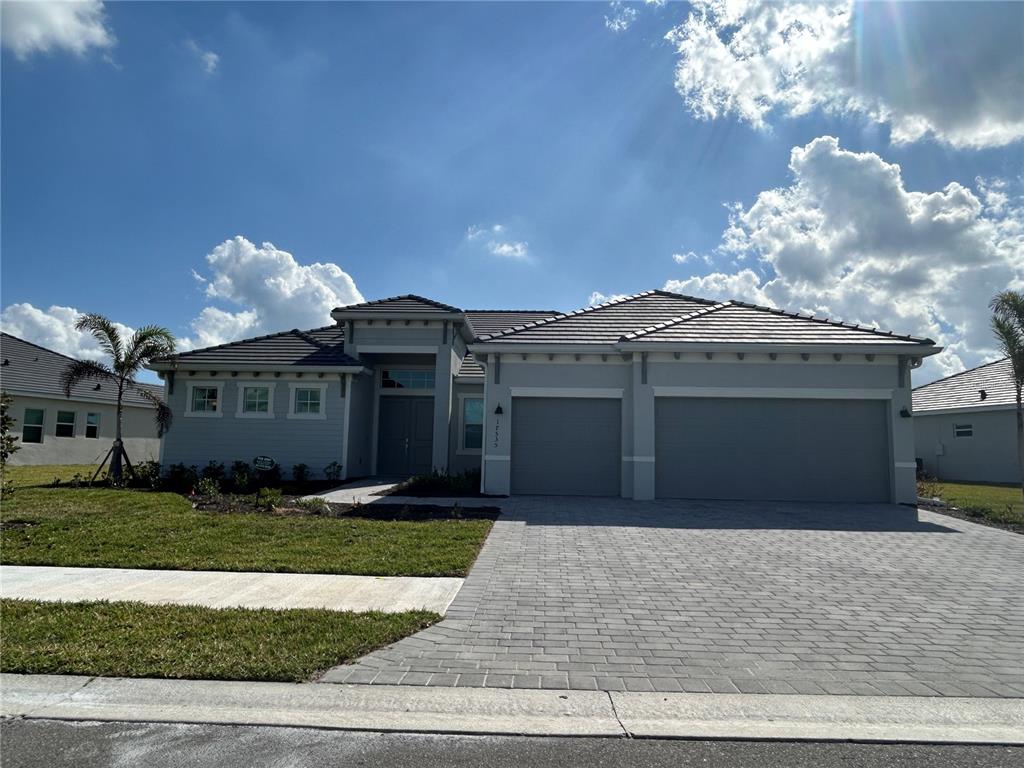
x,y
488,155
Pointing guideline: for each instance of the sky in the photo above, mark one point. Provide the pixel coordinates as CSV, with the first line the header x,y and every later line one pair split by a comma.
x,y
232,169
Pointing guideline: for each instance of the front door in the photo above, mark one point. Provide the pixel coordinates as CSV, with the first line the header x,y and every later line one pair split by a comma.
x,y
405,435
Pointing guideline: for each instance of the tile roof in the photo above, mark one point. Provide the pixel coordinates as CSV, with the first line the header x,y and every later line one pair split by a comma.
x,y
316,347
410,303
470,368
963,390
605,323
28,368
490,321
737,322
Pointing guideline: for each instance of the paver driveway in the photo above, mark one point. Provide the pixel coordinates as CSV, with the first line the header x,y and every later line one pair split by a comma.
x,y
725,597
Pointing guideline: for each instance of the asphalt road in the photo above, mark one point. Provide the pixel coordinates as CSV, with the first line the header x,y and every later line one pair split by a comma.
x,y
54,744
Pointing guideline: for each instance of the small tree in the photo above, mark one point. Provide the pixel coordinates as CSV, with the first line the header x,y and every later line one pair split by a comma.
x,y
8,442
1008,325
126,360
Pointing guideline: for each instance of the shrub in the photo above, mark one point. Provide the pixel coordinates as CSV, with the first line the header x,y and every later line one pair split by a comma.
x,y
241,476
300,473
268,477
181,478
333,471
147,475
208,487
314,504
8,443
214,471
268,498
78,480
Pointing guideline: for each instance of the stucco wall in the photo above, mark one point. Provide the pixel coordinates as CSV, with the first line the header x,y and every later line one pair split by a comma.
x,y
197,440
138,427
461,462
989,456
360,411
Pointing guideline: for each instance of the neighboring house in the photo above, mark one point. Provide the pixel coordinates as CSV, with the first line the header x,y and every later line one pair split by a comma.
x,y
54,429
965,426
657,395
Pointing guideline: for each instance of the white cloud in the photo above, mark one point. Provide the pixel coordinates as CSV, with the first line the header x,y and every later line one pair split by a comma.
x,y
622,16
599,298
208,60
42,26
496,245
847,240
684,258
272,290
952,71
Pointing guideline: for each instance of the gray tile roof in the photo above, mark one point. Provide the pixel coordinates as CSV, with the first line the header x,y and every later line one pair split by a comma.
x,y
470,368
490,321
963,390
30,369
410,303
318,347
605,323
735,322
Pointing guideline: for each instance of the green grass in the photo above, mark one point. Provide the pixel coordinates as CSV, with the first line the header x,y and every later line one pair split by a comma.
x,y
997,503
136,640
43,475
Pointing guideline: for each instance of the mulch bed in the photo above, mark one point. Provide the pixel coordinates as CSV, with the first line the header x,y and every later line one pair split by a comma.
x,y
289,505
974,518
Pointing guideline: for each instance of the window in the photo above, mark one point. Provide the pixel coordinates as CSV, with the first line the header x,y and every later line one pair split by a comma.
x,y
204,399
255,400
307,400
92,425
32,427
407,379
963,430
472,423
65,424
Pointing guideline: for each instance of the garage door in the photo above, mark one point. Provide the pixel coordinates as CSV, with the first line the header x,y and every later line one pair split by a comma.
x,y
771,449
566,446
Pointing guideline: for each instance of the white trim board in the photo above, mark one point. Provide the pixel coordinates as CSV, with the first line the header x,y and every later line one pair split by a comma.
x,y
579,392
965,410
793,393
387,349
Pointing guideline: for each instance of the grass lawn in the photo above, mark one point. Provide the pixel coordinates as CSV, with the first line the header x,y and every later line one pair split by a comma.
x,y
999,504
102,527
136,640
44,475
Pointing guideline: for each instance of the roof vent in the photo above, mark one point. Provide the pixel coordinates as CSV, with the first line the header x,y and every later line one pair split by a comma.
x,y
6,361
96,388
983,393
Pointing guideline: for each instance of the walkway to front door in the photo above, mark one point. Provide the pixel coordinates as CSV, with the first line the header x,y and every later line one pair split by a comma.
x,y
405,435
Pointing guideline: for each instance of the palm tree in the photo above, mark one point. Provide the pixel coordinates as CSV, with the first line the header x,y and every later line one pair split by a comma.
x,y
1008,325
126,360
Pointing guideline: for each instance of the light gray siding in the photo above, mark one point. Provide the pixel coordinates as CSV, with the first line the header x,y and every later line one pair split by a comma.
x,y
566,446
988,456
197,440
772,449
138,428
461,461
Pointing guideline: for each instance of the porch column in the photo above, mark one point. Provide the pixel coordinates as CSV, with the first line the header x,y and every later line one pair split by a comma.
x,y
443,366
643,431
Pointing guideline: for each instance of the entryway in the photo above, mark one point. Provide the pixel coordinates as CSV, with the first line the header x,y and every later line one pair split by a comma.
x,y
405,435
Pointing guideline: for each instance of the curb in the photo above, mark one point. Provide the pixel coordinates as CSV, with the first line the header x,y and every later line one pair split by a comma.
x,y
491,711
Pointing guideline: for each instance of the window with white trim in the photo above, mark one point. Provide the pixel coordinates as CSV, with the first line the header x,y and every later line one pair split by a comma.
x,y
396,378
205,400
307,401
963,430
32,425
92,425
65,424
255,399
472,424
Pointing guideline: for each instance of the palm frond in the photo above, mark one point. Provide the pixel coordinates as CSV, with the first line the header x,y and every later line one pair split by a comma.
x,y
1011,340
163,416
1009,305
105,332
80,370
146,344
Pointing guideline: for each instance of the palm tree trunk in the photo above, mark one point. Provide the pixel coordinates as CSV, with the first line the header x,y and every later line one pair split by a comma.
x,y
116,470
1020,441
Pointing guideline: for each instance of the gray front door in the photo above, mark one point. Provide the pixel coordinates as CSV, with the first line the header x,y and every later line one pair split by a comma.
x,y
405,435
566,446
771,449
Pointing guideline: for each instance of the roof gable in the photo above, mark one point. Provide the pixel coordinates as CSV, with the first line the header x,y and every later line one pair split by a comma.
x,y
408,304
963,390
485,322
318,347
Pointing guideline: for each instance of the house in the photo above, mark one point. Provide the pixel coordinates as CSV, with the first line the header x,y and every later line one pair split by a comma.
x,y
965,426
656,395
53,429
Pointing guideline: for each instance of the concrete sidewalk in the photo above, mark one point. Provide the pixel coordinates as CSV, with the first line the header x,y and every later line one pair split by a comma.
x,y
224,589
517,712
367,491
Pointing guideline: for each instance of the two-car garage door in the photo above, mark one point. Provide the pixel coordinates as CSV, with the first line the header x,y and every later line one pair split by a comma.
x,y
771,449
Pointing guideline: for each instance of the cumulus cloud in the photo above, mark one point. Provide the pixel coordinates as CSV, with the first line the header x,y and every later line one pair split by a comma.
x,y
848,240
43,26
268,288
497,244
622,16
950,71
208,60
599,298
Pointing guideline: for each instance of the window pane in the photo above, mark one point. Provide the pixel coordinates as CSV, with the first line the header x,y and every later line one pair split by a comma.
x,y
65,424
307,401
92,425
474,436
407,379
32,427
256,400
473,410
204,399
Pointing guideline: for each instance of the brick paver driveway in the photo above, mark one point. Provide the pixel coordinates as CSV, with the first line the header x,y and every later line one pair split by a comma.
x,y
726,597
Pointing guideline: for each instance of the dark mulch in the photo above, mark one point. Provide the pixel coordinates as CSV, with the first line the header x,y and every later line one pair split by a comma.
x,y
977,516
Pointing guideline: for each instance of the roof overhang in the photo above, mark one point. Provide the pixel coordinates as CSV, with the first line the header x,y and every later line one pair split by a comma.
x,y
965,410
910,350
504,348
342,315
184,366
75,398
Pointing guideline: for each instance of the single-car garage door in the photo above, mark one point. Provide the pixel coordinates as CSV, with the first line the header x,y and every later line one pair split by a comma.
x,y
771,449
566,446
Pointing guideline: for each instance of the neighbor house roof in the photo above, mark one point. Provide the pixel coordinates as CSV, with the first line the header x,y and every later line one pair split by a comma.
x,y
490,321
315,348
964,390
29,369
661,316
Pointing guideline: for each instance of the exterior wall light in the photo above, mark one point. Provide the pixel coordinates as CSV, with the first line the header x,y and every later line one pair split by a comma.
x,y
498,411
